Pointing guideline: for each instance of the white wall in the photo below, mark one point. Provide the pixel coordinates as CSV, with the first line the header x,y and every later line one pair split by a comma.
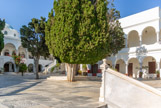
x,y
125,92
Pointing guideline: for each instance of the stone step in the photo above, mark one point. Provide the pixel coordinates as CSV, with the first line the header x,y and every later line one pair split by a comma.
x,y
103,105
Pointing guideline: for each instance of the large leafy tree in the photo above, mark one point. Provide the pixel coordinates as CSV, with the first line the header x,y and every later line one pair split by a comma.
x,y
2,25
80,32
33,38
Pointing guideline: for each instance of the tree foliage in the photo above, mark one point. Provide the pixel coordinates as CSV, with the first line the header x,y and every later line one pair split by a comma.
x,y
33,38
23,68
2,25
83,31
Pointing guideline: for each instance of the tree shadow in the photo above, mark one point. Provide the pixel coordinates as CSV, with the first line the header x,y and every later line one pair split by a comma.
x,y
21,89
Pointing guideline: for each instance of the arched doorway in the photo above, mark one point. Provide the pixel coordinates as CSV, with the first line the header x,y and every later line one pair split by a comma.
x,y
133,67
40,68
8,49
9,67
149,65
30,68
133,39
22,52
149,36
120,66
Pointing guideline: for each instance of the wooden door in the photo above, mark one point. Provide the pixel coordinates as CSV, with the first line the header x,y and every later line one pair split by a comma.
x,y
6,67
117,67
94,68
152,67
130,69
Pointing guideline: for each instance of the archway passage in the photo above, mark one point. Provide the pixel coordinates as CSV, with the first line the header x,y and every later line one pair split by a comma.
x,y
120,66
149,36
8,67
149,63
133,67
30,68
40,68
133,39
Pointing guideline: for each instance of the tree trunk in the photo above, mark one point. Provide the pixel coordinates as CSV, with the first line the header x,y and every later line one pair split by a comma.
x,y
36,60
71,70
22,73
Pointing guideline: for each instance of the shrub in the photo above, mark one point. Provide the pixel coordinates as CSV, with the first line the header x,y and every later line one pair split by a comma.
x,y
23,68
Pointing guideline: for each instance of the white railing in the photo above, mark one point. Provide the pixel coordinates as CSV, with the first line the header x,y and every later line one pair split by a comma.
x,y
48,68
121,91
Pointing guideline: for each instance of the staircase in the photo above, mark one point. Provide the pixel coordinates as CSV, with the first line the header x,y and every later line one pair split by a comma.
x,y
48,68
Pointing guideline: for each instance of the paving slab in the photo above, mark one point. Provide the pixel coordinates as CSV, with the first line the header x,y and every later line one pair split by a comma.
x,y
26,92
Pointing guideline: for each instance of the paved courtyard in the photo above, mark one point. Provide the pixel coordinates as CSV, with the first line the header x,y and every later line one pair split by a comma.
x,y
154,83
26,92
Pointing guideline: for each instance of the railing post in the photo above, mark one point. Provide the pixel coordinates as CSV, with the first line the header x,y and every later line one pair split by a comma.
x,y
102,89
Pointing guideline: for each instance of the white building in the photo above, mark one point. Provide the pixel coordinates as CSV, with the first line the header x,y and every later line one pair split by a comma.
x,y
143,44
13,45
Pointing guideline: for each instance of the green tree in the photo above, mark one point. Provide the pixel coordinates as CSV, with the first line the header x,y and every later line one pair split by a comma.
x,y
79,32
23,68
2,25
33,38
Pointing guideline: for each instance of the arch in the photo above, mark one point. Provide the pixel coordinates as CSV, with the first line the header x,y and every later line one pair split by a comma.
x,y
149,36
133,67
149,64
133,39
6,52
9,47
9,67
30,67
22,51
120,66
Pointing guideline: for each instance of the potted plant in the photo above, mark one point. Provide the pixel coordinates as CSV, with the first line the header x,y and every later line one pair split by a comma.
x,y
158,73
140,74
84,71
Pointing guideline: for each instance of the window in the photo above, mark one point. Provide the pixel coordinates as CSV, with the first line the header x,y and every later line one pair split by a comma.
x,y
5,32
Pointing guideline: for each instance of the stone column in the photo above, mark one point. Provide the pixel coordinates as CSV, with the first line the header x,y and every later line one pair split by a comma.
x,y
140,39
158,68
126,42
158,33
10,67
126,68
102,89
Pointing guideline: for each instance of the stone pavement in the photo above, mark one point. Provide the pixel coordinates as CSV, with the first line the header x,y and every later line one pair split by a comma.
x,y
26,92
154,83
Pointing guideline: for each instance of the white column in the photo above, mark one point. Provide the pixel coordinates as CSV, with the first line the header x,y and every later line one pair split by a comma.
x,y
158,68
10,67
157,36
140,39
126,43
126,68
102,89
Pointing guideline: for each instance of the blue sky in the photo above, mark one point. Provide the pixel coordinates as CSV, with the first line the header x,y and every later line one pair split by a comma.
x,y
20,12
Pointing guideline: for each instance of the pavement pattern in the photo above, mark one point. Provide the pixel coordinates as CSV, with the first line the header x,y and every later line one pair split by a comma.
x,y
26,92
154,83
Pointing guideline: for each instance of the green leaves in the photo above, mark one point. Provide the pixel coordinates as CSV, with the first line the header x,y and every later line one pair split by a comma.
x,y
2,25
79,31
33,37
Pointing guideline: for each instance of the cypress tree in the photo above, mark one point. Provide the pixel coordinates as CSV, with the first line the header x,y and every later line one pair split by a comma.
x,y
2,25
78,32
